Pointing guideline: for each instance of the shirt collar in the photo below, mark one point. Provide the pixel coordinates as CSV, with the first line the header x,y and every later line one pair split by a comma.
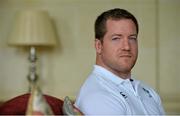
x,y
104,73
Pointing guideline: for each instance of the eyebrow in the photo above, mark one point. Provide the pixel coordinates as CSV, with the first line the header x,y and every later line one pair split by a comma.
x,y
134,35
121,35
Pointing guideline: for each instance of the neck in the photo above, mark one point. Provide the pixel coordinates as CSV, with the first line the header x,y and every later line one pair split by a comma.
x,y
123,75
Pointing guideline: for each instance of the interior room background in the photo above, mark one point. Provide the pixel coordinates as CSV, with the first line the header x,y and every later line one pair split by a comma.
x,y
64,68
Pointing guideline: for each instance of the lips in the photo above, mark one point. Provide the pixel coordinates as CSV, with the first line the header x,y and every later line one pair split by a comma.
x,y
125,55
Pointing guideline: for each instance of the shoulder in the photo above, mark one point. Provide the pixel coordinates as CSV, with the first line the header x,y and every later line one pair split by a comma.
x,y
147,89
153,98
101,103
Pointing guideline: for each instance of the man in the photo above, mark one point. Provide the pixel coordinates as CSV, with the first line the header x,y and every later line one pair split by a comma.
x,y
110,89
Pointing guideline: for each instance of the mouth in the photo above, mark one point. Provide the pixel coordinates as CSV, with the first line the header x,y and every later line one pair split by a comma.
x,y
126,55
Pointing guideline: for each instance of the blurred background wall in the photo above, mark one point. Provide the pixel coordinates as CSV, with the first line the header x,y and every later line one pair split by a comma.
x,y
63,69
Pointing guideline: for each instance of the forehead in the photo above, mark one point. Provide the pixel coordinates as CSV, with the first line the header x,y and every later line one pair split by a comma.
x,y
124,25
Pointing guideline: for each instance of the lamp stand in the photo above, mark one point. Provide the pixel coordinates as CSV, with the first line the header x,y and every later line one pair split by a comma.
x,y
32,76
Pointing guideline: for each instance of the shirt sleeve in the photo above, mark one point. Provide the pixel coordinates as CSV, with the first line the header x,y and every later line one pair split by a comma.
x,y
100,104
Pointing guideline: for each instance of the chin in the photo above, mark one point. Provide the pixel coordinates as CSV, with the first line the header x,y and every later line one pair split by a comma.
x,y
126,69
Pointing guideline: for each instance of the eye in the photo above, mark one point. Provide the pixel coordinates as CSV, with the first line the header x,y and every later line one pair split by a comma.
x,y
133,38
115,38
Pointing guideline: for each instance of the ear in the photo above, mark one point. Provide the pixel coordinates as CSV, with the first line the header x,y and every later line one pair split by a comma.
x,y
98,46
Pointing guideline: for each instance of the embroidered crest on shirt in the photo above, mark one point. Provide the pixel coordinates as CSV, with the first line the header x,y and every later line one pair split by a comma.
x,y
125,96
147,91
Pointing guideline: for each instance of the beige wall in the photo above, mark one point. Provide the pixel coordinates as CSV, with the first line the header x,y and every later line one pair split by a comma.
x,y
169,53
63,69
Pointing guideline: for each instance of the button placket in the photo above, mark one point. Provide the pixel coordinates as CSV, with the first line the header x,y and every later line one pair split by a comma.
x,y
129,86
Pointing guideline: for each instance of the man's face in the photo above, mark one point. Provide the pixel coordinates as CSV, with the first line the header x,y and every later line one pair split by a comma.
x,y
119,49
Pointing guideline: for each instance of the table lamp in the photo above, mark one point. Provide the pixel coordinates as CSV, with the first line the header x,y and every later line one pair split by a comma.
x,y
32,28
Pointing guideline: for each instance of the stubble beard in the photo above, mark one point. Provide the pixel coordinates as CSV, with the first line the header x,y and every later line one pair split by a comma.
x,y
120,68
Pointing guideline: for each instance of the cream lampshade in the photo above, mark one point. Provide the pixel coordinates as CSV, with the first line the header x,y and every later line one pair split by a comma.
x,y
32,28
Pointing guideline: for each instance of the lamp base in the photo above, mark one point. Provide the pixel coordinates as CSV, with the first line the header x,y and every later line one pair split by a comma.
x,y
32,76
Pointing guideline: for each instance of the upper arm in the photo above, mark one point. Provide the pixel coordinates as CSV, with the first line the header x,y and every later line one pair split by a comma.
x,y
158,101
99,104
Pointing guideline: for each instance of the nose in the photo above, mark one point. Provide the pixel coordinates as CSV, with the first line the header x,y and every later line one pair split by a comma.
x,y
126,45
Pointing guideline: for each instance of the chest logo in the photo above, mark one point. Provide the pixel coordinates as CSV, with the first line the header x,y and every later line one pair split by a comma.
x,y
125,96
147,91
